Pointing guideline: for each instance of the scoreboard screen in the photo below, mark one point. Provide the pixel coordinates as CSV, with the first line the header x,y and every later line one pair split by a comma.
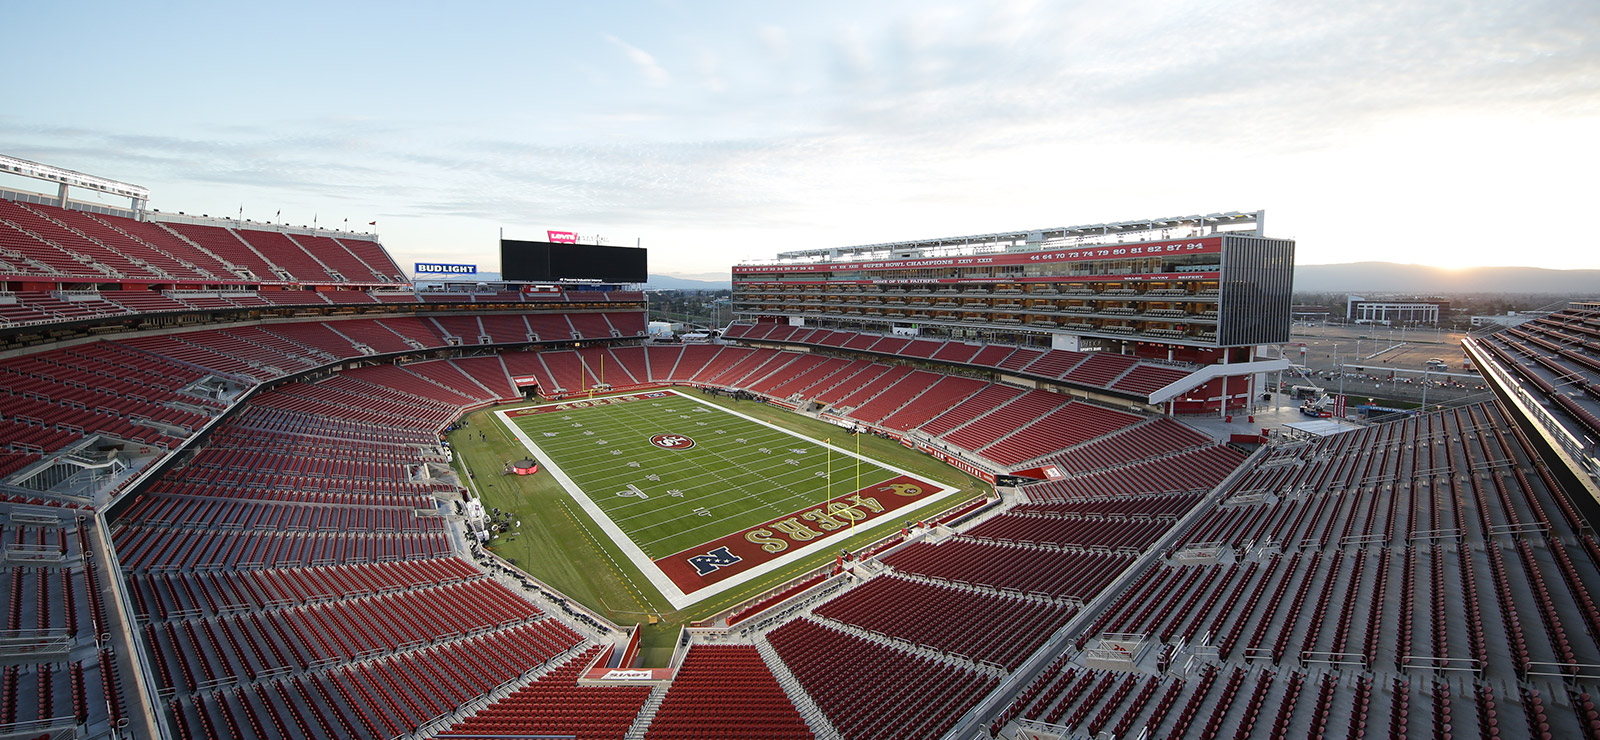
x,y
552,262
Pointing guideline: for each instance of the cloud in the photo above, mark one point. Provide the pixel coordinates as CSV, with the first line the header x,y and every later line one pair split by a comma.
x,y
776,42
647,64
710,68
823,128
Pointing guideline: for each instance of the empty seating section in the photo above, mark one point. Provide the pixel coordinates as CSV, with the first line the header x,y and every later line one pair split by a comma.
x,y
374,256
226,245
1000,630
524,365
317,336
1121,373
793,372
150,242
153,259
732,364
871,691
1146,379
726,692
992,355
919,348
375,335
1391,579
804,380
1055,363
1555,354
680,364
1014,567
24,254
219,593
117,391
569,371
945,392
1117,506
1019,359
337,257
1198,469
46,241
134,399
55,620
292,578
286,254
1052,529
633,361
282,636
490,374
1101,369
1003,420
898,392
505,329
1068,425
421,331
377,697
549,327
958,352
556,705
1144,440
446,375
626,323
590,325
992,396
465,329
865,391
52,242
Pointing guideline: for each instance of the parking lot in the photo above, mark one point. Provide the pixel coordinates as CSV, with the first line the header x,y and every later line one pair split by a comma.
x,y
1384,363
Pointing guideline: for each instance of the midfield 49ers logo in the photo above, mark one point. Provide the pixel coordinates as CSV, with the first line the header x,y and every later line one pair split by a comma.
x,y
672,441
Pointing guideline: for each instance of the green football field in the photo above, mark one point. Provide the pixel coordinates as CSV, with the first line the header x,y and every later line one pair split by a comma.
x,y
736,474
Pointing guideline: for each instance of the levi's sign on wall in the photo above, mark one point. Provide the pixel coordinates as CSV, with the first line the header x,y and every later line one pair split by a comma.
x,y
562,237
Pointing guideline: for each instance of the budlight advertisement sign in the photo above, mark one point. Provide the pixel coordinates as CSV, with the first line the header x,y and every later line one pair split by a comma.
x,y
440,268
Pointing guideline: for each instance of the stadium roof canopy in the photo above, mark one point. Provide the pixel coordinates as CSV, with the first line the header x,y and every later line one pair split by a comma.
x,y
1038,239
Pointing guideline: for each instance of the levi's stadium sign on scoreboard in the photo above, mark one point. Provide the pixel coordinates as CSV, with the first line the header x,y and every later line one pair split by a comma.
x,y
552,261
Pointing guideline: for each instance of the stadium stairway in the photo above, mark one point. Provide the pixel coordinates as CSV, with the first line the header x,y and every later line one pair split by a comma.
x,y
803,703
647,713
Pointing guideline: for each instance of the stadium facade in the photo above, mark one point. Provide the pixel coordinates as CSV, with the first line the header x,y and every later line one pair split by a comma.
x,y
1191,291
226,511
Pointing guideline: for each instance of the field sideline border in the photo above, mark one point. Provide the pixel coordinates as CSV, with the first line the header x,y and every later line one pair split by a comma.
x,y
648,567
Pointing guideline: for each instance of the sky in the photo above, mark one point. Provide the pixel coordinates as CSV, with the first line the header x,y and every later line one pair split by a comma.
x,y
715,132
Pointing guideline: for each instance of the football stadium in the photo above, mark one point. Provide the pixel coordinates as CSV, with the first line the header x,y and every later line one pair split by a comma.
x,y
261,481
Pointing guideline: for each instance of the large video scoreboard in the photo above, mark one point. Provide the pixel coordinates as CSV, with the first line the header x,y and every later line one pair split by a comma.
x,y
533,261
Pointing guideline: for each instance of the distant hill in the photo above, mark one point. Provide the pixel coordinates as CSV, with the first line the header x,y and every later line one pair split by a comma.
x,y
665,282
1391,277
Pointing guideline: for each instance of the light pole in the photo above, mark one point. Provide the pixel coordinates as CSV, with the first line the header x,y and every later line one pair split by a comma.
x,y
1339,364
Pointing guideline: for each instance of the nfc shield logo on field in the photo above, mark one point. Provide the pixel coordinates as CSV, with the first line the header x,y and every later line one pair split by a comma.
x,y
672,441
711,561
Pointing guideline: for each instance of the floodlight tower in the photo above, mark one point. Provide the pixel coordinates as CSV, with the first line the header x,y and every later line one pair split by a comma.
x,y
64,178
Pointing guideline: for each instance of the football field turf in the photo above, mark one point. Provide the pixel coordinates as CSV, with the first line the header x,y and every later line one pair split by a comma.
x,y
702,498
